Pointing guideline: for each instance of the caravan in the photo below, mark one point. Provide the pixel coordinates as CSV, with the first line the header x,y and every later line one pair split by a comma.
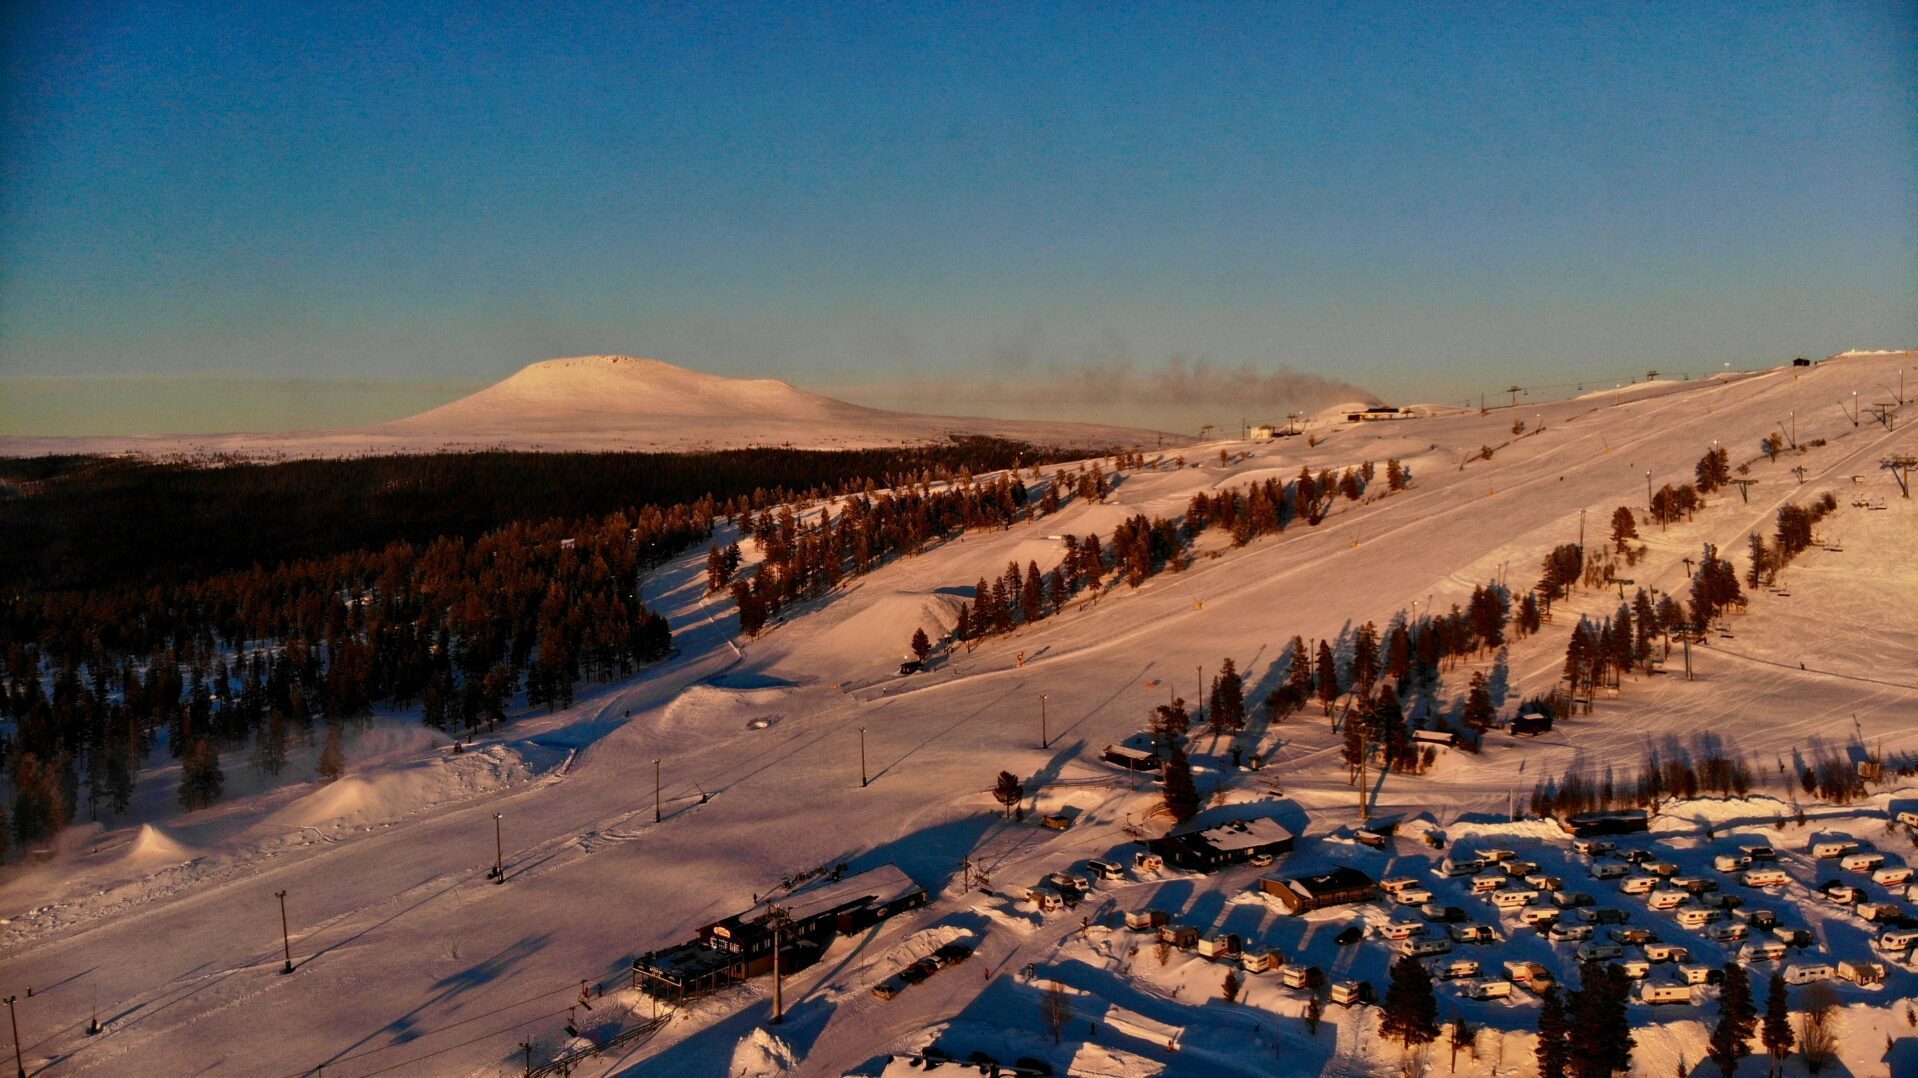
x,y
1664,993
1765,877
1808,972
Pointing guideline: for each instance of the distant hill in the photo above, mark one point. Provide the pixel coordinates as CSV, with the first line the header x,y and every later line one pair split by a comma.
x,y
590,403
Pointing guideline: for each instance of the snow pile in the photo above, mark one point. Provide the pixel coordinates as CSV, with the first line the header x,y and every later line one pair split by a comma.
x,y
371,798
762,1055
153,846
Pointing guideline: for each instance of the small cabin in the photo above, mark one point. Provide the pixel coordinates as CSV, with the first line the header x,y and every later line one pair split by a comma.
x,y
1863,974
1264,432
1184,937
1132,759
1801,361
1147,920
1443,739
1223,945
1302,894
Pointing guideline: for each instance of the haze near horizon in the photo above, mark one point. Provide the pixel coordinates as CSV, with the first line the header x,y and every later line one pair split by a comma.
x,y
233,218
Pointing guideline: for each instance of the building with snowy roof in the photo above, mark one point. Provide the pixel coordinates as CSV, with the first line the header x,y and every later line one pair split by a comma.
x,y
1207,847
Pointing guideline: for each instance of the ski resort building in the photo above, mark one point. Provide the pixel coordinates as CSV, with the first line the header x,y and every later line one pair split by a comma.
x,y
1132,759
741,946
1208,847
1609,822
1302,894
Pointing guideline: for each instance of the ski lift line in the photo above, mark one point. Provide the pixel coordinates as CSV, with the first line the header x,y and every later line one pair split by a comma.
x,y
571,986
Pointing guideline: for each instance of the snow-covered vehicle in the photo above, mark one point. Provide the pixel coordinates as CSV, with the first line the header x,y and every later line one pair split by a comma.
x,y
1594,951
1413,896
1697,917
1896,941
1634,935
1833,848
1488,989
1304,977
1664,993
1667,952
1421,948
1765,877
1809,972
1759,853
1608,870
1664,898
1472,933
1401,930
1638,885
1105,870
1513,899
1763,951
1862,862
1392,885
1531,975
1636,969
1892,876
1727,862
1698,973
1844,894
1727,931
1485,885
1592,847
1569,900
1348,993
1562,932
1540,915
1462,866
1453,969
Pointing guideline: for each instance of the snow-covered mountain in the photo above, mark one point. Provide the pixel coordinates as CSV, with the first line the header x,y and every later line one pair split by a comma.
x,y
411,961
588,403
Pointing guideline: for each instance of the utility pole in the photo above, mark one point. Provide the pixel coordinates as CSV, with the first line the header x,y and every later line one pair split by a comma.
x,y
656,805
1365,752
1198,702
777,915
862,757
1687,640
498,875
527,1047
1514,391
1044,741
1581,532
19,1065
286,937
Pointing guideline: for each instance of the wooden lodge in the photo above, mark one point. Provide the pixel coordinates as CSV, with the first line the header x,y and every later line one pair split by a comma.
x,y
1209,847
1302,894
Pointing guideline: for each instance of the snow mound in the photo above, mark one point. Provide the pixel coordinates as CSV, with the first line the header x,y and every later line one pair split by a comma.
x,y
153,846
386,795
762,1055
884,628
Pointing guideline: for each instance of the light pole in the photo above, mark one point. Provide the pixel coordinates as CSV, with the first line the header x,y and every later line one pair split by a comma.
x,y
656,815
1045,742
286,938
19,1066
862,757
777,915
498,875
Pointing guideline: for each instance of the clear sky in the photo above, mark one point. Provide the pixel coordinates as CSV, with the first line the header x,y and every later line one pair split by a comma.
x,y
1425,199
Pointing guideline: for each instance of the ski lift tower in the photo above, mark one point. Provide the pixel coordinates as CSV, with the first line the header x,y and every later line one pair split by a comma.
x,y
1900,468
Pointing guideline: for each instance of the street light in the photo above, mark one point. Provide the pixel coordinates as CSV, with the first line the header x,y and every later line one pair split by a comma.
x,y
498,875
286,938
1045,742
862,757
19,1066
656,816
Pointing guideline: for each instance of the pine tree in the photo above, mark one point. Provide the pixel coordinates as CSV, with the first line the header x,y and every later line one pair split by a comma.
x,y
1736,1002
332,755
1181,796
1365,657
1328,676
1777,1029
1227,703
1624,528
201,780
1298,673
1008,791
1230,987
1479,712
1554,1051
1755,573
921,647
1410,1013
1032,594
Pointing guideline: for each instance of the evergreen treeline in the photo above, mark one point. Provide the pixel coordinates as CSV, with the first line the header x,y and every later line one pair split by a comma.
x,y
94,522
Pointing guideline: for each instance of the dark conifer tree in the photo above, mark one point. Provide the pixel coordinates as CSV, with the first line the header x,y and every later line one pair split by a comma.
x,y
1777,1033
1479,712
921,646
1181,796
1365,657
1410,1011
1328,677
1227,702
1554,1050
1624,528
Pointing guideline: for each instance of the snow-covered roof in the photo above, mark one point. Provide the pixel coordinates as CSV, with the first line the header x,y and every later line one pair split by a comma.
x,y
875,886
1237,834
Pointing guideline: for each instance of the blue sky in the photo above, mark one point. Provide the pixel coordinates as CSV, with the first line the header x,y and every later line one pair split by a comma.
x,y
1425,199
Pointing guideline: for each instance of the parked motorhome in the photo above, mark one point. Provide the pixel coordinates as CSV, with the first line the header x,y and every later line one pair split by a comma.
x,y
1511,900
1635,935
1302,977
1665,898
1763,951
1863,974
1401,930
1106,870
1473,933
1519,869
1667,952
1594,951
1661,868
1184,937
1765,877
1489,990
1147,920
1421,948
1637,885
1260,961
1808,972
1224,945
1862,862
1453,969
1696,918
1636,969
1881,911
1726,862
1793,937
1532,975
1892,876
1458,867
1413,896
1348,993
1833,848
1727,931
1561,932
1394,884
1485,885
1567,900
1695,973
1540,915
1664,993
1609,870
1592,847
1897,940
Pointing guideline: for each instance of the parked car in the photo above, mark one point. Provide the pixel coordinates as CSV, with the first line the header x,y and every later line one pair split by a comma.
x,y
952,954
1349,935
918,972
887,988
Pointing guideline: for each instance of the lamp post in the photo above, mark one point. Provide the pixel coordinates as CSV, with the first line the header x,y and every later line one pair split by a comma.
x,y
862,757
777,915
656,814
1045,742
498,875
286,937
19,1066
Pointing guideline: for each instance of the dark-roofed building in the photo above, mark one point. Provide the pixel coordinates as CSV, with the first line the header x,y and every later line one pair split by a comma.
x,y
1302,894
1607,822
741,946
1133,758
1209,847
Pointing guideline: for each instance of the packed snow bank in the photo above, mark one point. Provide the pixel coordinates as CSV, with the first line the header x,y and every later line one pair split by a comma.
x,y
383,796
884,628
